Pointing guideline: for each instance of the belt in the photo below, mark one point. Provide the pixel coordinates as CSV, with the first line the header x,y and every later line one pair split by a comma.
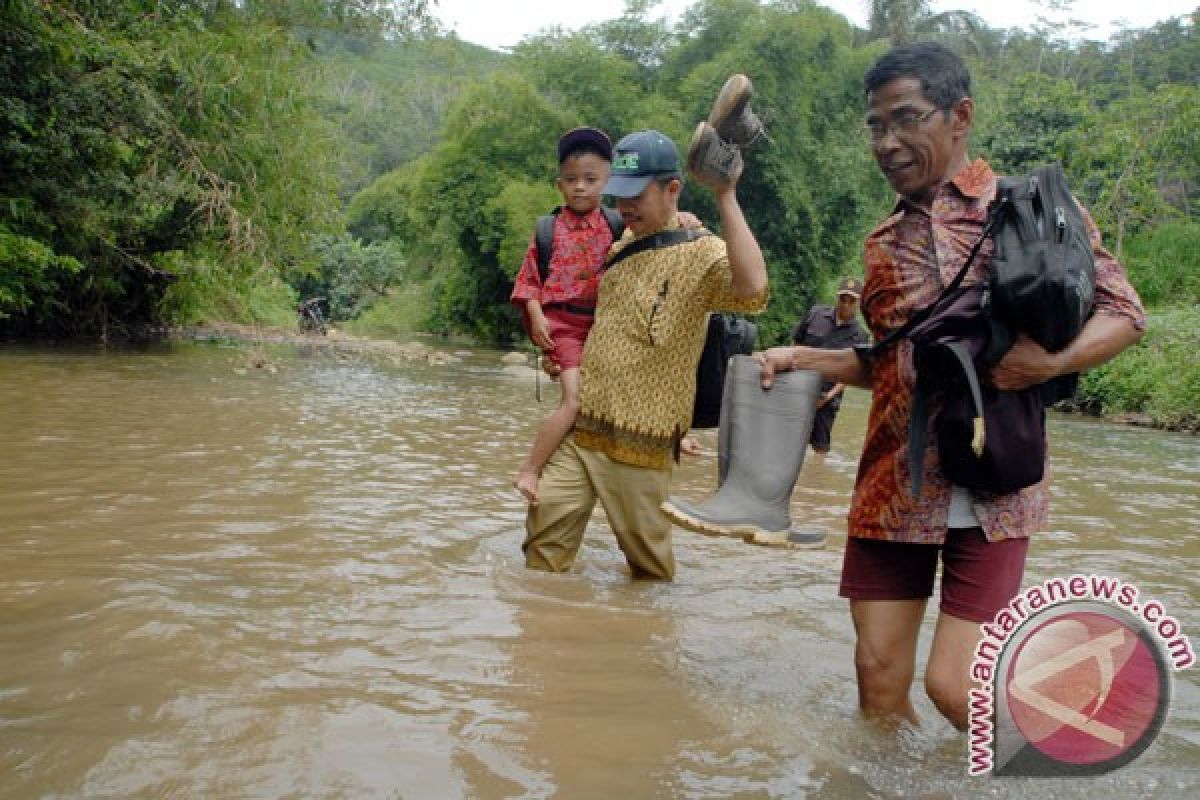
x,y
571,308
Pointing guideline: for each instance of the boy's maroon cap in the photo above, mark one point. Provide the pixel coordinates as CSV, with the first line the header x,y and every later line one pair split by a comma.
x,y
590,136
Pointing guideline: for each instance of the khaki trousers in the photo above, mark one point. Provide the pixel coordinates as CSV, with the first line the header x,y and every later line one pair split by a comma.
x,y
572,481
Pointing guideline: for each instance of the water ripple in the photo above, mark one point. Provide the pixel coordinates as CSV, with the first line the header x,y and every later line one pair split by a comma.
x,y
223,581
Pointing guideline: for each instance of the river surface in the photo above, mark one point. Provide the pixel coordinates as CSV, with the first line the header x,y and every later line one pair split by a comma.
x,y
303,579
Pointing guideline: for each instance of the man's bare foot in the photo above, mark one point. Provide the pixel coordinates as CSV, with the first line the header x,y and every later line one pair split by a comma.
x,y
526,483
690,445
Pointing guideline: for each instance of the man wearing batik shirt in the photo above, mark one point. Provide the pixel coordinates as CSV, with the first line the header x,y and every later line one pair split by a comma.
x,y
919,115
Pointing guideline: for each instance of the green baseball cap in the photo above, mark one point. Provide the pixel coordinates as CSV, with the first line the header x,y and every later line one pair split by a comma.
x,y
638,159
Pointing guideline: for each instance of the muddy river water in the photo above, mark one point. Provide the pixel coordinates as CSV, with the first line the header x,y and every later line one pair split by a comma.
x,y
303,580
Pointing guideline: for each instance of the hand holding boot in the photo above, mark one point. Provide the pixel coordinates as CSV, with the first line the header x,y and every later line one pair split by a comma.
x,y
712,162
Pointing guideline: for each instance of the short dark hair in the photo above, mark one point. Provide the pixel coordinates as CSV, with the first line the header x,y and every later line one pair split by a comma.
x,y
944,77
582,149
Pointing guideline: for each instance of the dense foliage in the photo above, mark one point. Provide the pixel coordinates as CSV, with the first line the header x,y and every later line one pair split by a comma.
x,y
1127,135
1158,377
165,161
177,161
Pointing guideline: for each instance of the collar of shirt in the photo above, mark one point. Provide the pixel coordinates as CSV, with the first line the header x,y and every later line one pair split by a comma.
x,y
975,181
575,221
672,224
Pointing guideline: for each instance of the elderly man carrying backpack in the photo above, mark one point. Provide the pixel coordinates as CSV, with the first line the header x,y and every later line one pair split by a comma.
x,y
919,116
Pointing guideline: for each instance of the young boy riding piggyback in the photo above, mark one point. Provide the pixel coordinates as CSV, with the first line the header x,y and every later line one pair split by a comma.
x,y
558,308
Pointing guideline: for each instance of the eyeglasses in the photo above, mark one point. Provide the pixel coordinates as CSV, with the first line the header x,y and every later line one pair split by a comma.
x,y
902,125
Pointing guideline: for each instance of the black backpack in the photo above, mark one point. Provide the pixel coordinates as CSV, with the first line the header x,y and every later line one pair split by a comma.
x,y
1043,273
727,336
1041,282
543,236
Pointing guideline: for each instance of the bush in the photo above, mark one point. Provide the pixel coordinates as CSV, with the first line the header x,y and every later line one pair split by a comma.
x,y
30,273
1164,263
210,290
1159,376
351,276
402,311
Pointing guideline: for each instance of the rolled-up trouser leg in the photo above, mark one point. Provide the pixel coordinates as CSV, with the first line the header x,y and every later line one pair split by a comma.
x,y
631,497
554,527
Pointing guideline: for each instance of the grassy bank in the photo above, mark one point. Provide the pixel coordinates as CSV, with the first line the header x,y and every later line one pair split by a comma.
x,y
1157,381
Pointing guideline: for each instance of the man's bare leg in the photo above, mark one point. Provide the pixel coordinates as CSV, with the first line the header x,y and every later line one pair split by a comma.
x,y
948,675
885,655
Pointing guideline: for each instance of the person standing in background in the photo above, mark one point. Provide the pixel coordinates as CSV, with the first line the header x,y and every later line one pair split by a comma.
x,y
831,328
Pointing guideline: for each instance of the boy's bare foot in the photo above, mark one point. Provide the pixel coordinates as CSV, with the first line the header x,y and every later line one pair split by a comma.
x,y
690,445
526,483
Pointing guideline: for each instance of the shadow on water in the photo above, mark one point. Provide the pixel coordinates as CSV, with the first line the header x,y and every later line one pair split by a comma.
x,y
301,577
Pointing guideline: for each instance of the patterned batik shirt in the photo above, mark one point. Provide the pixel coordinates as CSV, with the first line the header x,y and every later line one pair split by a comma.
x,y
638,380
909,258
576,261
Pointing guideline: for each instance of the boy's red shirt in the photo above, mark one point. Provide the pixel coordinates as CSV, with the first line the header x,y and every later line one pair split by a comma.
x,y
581,243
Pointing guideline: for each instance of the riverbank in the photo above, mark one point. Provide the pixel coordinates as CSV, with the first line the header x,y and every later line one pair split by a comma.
x,y
1155,384
334,340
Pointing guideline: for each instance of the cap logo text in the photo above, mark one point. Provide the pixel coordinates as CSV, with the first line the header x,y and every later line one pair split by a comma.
x,y
626,161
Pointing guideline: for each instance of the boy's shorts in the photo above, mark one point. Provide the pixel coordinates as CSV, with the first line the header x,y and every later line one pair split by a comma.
x,y
978,577
569,331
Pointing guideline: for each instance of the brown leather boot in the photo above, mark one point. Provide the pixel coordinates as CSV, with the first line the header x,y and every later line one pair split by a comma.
x,y
712,161
731,115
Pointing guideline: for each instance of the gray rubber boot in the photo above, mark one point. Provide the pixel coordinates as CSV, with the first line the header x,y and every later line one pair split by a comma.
x,y
768,434
724,428
795,539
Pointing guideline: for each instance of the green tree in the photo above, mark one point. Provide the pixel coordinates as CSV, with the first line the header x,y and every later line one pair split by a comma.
x,y
352,276
148,148
1023,123
458,200
1140,160
811,191
600,88
903,21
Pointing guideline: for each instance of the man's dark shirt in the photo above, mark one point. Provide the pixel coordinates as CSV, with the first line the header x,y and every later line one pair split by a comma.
x,y
820,329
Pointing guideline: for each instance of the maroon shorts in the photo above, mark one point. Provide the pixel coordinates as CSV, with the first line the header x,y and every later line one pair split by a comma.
x,y
569,331
978,577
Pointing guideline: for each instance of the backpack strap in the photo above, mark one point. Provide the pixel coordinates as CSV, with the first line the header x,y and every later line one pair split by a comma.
x,y
543,238
923,314
920,416
615,223
656,241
